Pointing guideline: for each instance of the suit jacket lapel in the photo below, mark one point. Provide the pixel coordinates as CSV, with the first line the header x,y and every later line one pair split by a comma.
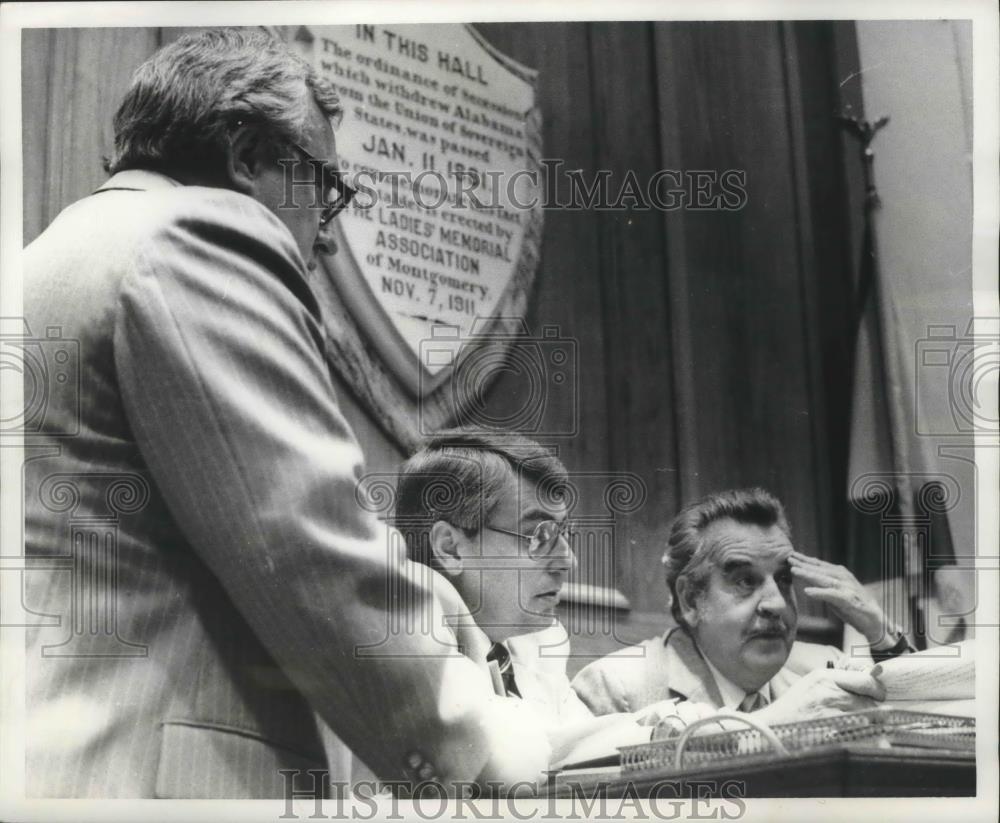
x,y
782,681
687,673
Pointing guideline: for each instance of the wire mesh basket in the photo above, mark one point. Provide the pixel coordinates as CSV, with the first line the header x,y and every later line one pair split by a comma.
x,y
878,727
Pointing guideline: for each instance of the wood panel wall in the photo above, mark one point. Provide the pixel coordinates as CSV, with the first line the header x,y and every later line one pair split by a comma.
x,y
713,346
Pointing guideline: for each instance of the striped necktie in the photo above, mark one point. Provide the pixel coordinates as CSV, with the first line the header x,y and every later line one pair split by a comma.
x,y
752,702
500,654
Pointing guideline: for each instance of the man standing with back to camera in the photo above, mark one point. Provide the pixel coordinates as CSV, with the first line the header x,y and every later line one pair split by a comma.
x,y
245,583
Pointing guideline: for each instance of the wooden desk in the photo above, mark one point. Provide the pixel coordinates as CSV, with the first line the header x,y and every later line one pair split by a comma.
x,y
848,771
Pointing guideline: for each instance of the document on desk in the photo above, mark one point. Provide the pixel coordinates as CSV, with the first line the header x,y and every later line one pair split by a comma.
x,y
941,674
595,740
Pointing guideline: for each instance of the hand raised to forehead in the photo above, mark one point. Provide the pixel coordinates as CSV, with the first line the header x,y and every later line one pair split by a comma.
x,y
838,587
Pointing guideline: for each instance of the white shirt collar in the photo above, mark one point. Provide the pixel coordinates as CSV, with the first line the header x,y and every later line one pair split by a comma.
x,y
141,179
732,695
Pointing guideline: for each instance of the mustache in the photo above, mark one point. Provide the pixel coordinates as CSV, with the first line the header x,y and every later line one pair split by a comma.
x,y
776,627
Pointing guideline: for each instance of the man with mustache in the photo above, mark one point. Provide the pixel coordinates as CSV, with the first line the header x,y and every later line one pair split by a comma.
x,y
730,566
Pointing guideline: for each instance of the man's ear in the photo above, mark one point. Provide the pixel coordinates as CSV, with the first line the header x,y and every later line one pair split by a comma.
x,y
244,158
686,600
447,542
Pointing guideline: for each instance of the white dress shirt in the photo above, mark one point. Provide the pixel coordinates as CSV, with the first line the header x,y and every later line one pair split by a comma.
x,y
733,695
574,733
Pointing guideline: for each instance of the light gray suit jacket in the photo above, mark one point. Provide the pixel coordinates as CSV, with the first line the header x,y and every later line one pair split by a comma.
x,y
671,668
208,580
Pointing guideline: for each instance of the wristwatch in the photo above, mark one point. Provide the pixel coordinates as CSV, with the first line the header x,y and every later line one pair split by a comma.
x,y
900,645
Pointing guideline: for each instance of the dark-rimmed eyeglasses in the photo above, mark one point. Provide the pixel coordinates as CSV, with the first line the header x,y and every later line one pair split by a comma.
x,y
332,180
543,538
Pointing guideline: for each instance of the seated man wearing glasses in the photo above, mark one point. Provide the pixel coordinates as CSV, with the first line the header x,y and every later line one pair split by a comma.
x,y
486,510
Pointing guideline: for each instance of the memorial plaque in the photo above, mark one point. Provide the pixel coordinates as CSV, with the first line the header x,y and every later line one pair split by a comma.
x,y
441,135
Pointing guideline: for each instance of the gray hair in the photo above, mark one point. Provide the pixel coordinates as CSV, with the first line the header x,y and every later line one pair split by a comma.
x,y
184,99
755,507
